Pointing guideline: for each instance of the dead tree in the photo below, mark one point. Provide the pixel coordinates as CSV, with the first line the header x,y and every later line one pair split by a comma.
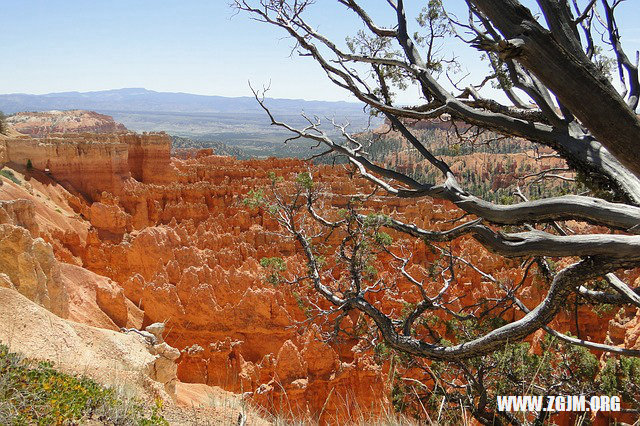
x,y
551,65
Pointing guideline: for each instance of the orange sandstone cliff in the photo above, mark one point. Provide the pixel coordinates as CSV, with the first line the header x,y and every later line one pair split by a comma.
x,y
93,163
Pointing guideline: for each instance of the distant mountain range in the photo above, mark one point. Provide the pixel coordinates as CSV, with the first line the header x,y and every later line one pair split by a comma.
x,y
237,121
138,99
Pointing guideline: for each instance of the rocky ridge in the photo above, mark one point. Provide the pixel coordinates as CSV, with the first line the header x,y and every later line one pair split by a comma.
x,y
40,124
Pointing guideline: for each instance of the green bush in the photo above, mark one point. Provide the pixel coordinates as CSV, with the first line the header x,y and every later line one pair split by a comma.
x,y
9,175
274,266
36,393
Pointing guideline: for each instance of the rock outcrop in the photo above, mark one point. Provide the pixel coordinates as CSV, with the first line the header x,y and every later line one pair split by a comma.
x,y
39,124
27,262
192,259
20,212
149,157
32,269
165,369
39,235
108,356
92,163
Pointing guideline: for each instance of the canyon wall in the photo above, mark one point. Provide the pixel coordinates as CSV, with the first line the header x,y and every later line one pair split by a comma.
x,y
89,163
149,157
193,261
92,163
83,337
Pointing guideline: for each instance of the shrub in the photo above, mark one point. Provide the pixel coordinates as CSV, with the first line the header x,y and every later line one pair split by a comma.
x,y
9,175
3,123
274,266
36,393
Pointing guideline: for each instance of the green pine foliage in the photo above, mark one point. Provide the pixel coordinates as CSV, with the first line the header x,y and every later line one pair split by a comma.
x,y
10,175
555,368
3,123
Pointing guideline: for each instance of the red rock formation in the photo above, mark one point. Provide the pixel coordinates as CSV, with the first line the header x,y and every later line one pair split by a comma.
x,y
193,261
40,124
93,163
89,163
38,223
148,159
20,212
31,269
98,301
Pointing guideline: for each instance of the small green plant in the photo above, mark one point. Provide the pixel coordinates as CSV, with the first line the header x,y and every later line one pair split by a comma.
x,y
621,376
36,393
304,306
305,180
375,220
274,178
274,266
603,310
9,175
383,238
255,198
3,123
370,271
381,352
29,164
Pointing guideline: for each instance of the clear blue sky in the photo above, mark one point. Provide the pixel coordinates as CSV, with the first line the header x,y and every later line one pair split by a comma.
x,y
193,46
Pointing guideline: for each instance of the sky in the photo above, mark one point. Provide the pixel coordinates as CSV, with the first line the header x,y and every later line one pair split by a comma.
x,y
193,46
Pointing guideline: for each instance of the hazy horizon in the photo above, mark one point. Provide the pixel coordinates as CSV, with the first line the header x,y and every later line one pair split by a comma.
x,y
177,93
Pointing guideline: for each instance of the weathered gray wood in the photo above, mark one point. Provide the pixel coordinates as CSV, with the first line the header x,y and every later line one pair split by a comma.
x,y
592,128
574,79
